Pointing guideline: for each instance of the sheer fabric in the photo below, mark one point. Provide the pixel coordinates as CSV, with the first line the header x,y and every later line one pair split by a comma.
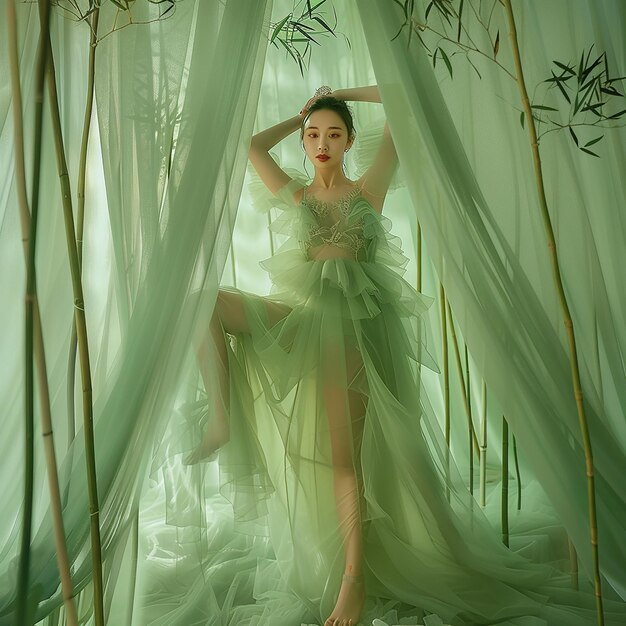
x,y
228,542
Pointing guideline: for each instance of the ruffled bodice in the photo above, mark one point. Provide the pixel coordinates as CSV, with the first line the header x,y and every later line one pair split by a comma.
x,y
333,224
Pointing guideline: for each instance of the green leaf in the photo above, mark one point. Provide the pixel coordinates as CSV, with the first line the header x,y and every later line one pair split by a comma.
x,y
583,99
573,134
565,67
428,8
435,58
590,143
542,107
611,91
446,61
278,28
521,119
297,26
616,115
317,5
580,67
324,25
588,70
496,45
590,152
562,89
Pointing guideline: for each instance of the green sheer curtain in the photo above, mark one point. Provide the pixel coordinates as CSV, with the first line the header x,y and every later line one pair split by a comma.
x,y
169,218
484,233
159,227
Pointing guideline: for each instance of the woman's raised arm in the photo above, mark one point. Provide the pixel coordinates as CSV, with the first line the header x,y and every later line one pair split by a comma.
x,y
268,170
378,176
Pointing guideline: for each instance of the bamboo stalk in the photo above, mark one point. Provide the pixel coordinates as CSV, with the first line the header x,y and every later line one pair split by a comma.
x,y
573,560
46,416
459,368
419,257
567,318
470,423
518,475
446,380
80,194
134,556
29,301
83,347
483,449
504,513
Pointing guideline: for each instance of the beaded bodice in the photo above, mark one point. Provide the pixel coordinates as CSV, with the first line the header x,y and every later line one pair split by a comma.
x,y
331,224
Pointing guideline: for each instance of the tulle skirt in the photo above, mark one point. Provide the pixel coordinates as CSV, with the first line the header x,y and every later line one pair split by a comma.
x,y
327,392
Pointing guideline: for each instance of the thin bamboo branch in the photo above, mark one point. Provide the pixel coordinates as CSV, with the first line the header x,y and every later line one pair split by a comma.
x,y
483,449
446,380
420,270
567,318
83,347
29,317
573,561
470,430
504,512
459,368
518,475
133,561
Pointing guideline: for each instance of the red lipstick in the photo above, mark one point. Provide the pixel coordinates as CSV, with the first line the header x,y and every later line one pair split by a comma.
x,y
322,157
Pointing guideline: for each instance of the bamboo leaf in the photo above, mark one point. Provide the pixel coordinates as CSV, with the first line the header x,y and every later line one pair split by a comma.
x,y
428,8
435,58
565,68
521,119
324,25
588,70
590,143
297,26
543,107
611,91
573,134
496,45
278,28
317,5
562,90
580,67
590,152
446,61
616,115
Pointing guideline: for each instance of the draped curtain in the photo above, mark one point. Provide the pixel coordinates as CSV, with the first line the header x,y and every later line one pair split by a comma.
x,y
169,218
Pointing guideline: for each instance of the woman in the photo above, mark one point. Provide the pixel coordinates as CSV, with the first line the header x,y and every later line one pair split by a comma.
x,y
330,236
319,421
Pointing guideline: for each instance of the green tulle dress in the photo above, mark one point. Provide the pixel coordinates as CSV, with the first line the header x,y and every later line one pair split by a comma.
x,y
348,336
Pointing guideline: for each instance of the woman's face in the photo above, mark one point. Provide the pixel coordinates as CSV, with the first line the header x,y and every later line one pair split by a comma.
x,y
325,138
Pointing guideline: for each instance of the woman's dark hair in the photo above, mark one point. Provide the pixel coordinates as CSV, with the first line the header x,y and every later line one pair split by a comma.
x,y
332,104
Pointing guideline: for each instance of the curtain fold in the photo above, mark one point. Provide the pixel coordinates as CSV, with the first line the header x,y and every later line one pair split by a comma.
x,y
171,207
482,227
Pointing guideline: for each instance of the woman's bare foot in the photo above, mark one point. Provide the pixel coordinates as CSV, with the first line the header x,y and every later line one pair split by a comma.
x,y
349,604
214,438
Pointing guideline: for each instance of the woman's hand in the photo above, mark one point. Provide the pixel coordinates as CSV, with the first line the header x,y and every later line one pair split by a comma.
x,y
305,108
325,91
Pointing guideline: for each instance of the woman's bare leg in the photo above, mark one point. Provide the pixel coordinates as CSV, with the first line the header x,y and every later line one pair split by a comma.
x,y
346,415
228,317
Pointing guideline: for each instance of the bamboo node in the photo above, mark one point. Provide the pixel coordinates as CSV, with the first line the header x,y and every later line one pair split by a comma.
x,y
551,245
568,323
79,304
47,433
578,394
